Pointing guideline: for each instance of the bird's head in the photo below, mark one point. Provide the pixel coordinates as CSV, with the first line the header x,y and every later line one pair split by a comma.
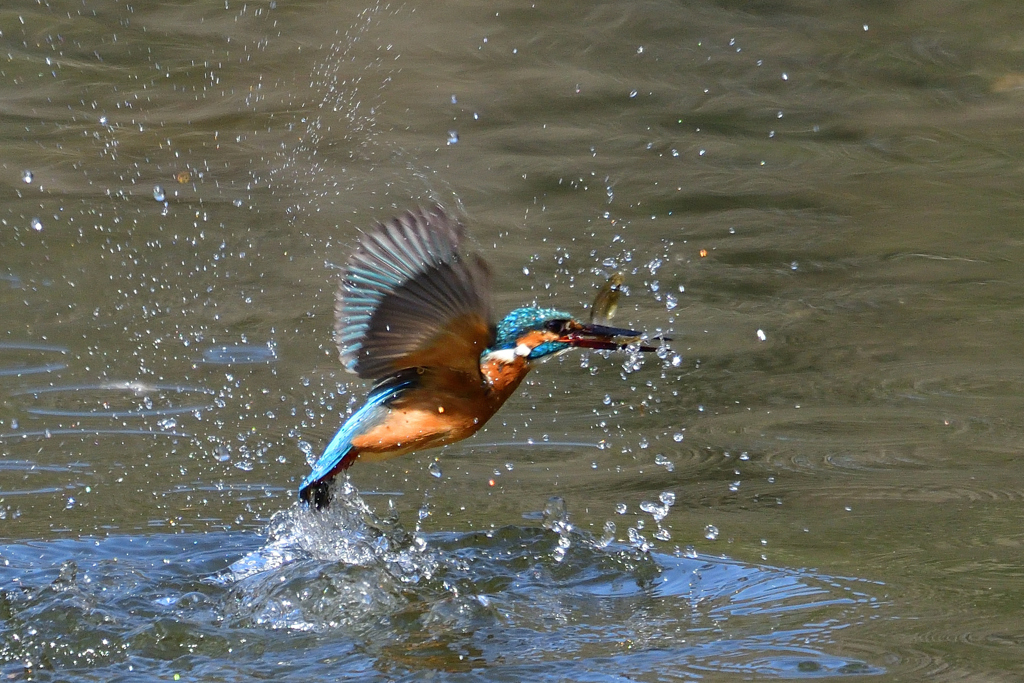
x,y
534,333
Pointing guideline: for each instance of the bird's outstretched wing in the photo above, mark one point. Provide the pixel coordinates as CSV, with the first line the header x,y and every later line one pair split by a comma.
x,y
409,298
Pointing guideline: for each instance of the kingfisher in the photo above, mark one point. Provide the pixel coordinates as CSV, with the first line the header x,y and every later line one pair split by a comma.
x,y
413,314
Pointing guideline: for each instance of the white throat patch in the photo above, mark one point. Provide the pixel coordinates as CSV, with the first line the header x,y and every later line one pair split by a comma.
x,y
509,355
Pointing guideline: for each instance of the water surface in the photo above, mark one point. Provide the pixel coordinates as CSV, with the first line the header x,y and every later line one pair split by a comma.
x,y
817,202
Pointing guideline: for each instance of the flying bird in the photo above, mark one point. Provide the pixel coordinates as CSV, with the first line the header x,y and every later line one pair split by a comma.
x,y
413,314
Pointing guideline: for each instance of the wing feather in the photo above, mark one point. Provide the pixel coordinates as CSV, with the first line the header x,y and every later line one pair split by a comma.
x,y
410,298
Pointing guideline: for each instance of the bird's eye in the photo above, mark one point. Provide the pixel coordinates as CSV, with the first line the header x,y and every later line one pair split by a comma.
x,y
556,326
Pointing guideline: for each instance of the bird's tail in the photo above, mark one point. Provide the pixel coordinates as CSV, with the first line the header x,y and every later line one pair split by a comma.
x,y
317,494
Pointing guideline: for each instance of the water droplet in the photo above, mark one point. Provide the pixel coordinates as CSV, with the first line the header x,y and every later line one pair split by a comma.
x,y
454,101
237,203
526,271
453,137
677,361
668,498
509,466
794,265
103,120
158,193
620,508
607,400
608,535
761,335
744,456
37,225
222,453
71,504
644,443
434,469
670,302
655,510
632,93
678,436
735,486
307,450
785,76
711,532
556,516
637,540
660,459
244,465
663,535
27,177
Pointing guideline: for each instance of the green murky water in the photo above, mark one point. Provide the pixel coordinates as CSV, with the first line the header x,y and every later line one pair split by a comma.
x,y
818,202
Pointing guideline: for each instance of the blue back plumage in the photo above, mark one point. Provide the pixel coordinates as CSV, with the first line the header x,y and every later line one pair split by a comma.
x,y
368,416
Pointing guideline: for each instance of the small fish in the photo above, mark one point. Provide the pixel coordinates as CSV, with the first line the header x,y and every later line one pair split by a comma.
x,y
607,300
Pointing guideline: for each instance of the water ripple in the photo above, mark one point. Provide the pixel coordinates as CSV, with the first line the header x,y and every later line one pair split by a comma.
x,y
23,358
115,400
240,354
88,431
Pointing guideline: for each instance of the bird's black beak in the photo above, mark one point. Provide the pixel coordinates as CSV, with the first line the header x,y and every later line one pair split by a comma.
x,y
604,337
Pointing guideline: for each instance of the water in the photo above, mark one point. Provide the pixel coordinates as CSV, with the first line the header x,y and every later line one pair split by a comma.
x,y
821,215
358,592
